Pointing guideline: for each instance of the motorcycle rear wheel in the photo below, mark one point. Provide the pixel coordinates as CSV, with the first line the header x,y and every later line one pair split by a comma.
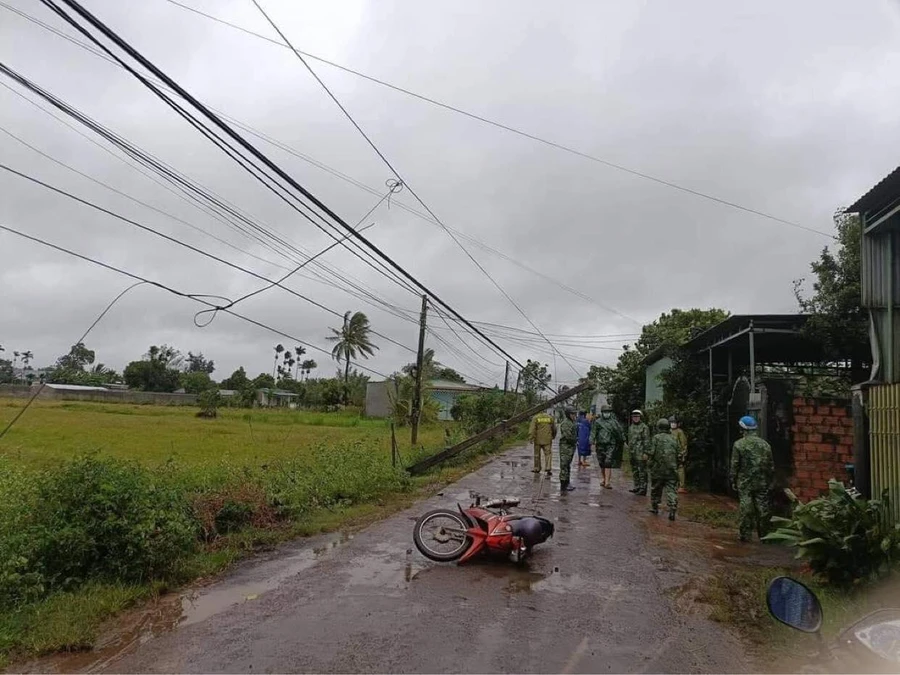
x,y
431,531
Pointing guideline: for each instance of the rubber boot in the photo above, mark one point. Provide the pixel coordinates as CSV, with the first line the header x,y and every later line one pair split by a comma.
x,y
564,486
654,509
671,514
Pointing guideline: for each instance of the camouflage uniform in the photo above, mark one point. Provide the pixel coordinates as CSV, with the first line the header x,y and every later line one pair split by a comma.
x,y
681,437
607,435
568,437
752,472
638,445
542,432
662,462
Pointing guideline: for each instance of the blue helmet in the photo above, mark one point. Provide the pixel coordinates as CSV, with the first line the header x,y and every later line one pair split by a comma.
x,y
747,422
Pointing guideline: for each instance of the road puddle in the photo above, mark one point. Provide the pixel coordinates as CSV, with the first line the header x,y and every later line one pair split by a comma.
x,y
192,606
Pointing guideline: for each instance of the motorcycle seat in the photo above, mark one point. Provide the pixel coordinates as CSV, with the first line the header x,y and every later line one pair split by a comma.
x,y
501,503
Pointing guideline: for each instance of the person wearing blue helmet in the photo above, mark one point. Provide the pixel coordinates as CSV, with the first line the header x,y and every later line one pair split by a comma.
x,y
752,474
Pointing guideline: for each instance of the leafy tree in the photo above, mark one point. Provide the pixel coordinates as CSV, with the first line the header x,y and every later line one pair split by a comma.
x,y
6,371
196,381
263,381
624,384
533,379
837,320
449,374
166,355
196,363
158,371
351,341
78,357
237,381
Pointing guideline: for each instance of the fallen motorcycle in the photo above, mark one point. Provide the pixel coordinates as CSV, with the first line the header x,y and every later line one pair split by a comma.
x,y
445,535
870,645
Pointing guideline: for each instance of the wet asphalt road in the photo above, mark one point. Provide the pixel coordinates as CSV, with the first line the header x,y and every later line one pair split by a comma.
x,y
596,598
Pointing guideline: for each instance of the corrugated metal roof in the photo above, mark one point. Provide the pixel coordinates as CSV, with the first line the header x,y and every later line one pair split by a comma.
x,y
447,385
74,387
884,193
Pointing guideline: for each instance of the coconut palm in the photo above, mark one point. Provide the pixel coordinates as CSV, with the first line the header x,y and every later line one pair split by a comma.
x,y
299,351
278,349
350,342
307,367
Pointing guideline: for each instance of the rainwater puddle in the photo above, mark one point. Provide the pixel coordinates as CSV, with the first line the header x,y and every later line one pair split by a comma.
x,y
202,604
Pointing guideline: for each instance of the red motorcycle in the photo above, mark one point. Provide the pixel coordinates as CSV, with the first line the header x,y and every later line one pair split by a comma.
x,y
445,535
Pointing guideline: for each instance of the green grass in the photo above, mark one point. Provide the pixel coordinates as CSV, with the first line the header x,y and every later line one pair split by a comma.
x,y
713,515
212,458
56,430
738,598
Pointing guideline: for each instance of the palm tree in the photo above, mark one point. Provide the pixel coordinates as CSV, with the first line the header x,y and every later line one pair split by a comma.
x,y
307,366
15,359
351,341
278,349
26,358
299,351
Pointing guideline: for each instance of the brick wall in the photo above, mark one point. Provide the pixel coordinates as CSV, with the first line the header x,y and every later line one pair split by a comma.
x,y
822,444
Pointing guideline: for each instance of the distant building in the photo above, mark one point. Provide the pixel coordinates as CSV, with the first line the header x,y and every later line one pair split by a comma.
x,y
444,392
275,398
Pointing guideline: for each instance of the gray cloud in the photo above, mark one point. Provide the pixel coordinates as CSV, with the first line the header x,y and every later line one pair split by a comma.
x,y
788,109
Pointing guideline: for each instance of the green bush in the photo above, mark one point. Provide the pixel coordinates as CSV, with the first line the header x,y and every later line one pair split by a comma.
x,y
91,519
844,539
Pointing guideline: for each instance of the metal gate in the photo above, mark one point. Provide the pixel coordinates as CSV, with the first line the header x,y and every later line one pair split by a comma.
x,y
884,444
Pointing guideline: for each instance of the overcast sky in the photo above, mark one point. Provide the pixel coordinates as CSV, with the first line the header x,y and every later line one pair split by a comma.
x,y
787,108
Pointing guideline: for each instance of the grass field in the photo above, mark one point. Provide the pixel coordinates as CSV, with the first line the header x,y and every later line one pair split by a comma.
x,y
146,498
53,430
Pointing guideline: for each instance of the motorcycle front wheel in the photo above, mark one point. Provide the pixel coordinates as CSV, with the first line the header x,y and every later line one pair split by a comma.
x,y
440,535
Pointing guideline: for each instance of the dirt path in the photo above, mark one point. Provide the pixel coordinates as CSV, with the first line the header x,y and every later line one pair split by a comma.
x,y
600,597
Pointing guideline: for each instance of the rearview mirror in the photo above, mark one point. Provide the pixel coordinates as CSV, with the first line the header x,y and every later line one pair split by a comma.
x,y
794,605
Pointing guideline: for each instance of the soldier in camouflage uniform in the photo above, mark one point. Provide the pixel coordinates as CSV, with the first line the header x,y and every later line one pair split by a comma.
x,y
752,472
681,437
568,437
662,461
606,437
638,444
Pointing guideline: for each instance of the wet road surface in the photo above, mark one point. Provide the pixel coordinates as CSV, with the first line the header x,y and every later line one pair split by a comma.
x,y
596,598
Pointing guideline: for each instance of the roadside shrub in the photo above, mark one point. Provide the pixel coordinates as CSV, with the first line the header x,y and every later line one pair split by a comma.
x,y
842,538
228,507
91,519
477,412
340,475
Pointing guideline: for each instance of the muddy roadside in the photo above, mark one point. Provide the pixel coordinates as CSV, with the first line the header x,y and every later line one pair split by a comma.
x,y
714,575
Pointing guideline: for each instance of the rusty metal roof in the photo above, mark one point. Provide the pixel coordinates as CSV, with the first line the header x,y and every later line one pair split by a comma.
x,y
886,192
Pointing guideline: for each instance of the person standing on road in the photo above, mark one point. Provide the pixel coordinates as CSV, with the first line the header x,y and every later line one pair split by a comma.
x,y
568,438
606,437
752,474
662,462
584,439
681,437
542,432
638,444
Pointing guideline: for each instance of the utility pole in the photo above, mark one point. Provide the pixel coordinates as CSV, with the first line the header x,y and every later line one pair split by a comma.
x,y
506,379
416,404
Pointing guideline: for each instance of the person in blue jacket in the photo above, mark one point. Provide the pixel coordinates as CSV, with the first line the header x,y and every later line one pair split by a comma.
x,y
583,425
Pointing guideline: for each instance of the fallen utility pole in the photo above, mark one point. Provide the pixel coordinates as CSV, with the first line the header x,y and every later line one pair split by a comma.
x,y
416,406
504,426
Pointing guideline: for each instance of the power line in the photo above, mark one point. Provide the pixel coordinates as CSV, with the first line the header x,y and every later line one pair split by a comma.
x,y
399,176
342,176
79,341
191,296
190,247
241,141
514,130
184,184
